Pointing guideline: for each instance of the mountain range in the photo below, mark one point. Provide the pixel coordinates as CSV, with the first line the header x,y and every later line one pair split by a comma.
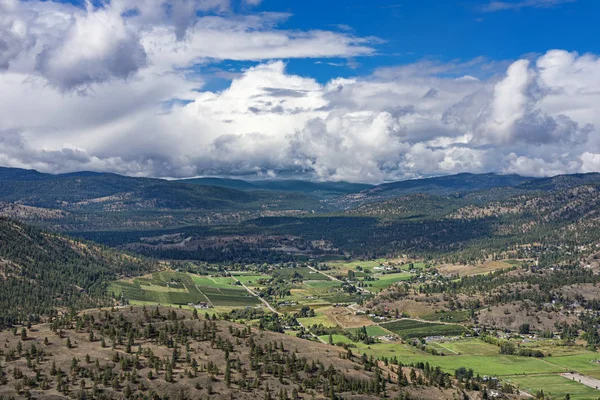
x,y
218,219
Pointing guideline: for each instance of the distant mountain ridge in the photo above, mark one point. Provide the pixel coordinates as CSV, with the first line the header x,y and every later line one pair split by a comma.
x,y
462,184
92,189
318,189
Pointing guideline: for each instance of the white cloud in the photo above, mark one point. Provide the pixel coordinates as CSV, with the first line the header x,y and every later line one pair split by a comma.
x,y
119,88
73,48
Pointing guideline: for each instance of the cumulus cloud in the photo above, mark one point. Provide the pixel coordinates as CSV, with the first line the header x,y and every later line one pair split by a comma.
x,y
73,47
120,88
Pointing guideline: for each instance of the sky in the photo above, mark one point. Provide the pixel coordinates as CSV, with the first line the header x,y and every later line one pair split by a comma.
x,y
325,90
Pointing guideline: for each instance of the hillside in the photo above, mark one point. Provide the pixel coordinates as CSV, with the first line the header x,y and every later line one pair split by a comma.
x,y
94,201
440,186
469,227
81,191
323,190
41,273
168,353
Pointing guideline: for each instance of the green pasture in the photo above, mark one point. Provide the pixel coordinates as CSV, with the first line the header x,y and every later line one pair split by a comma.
x,y
372,330
386,280
555,386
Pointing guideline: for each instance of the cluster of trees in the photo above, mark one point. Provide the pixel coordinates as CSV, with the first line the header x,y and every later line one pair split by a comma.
x,y
197,356
42,272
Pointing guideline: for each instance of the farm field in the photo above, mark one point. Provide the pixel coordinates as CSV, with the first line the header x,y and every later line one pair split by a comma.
x,y
371,264
448,316
555,386
317,320
305,272
385,280
250,280
373,330
337,339
320,293
175,288
407,328
531,374
473,347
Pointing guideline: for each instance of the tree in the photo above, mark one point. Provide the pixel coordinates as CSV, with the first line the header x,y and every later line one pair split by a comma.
x,y
524,329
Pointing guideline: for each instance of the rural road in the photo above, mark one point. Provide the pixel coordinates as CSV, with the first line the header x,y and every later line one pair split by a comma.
x,y
270,307
266,303
584,380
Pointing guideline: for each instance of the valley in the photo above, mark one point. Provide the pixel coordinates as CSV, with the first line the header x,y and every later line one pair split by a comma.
x,y
466,287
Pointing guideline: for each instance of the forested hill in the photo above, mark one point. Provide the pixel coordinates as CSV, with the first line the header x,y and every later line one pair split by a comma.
x,y
111,192
489,186
41,273
322,190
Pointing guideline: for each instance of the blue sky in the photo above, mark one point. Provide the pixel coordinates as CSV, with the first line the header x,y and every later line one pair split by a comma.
x,y
354,90
445,30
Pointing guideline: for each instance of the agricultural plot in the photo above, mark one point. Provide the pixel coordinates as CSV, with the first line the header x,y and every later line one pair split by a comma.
x,y
337,339
160,288
584,363
318,320
448,316
555,386
373,330
386,280
305,272
175,288
250,280
471,347
417,329
224,291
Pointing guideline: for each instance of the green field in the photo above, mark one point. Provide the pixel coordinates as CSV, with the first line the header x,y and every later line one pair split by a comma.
x,y
531,374
554,385
372,330
415,329
386,280
175,288
473,347
250,279
306,273
337,339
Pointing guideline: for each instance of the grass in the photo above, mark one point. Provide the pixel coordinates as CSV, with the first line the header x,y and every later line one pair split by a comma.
x,y
372,330
387,280
306,273
554,385
250,280
414,329
316,320
175,288
473,347
322,284
217,282
583,363
337,339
